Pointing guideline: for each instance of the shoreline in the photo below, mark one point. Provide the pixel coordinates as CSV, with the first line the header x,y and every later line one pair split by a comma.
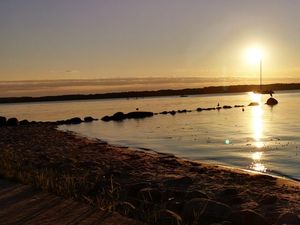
x,y
158,93
150,186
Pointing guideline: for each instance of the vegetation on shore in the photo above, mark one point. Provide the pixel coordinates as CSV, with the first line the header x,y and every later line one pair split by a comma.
x,y
138,94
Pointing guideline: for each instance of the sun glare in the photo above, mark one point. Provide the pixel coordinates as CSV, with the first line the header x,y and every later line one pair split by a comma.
x,y
254,54
255,97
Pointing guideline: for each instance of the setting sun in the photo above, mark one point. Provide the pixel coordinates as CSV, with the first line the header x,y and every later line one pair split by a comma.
x,y
254,54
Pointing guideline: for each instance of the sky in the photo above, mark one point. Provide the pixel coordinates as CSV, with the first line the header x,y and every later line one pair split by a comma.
x,y
118,39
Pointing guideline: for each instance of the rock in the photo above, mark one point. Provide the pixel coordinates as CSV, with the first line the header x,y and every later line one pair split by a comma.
x,y
2,121
173,112
201,209
88,119
24,122
268,199
218,108
12,122
75,120
179,181
152,195
138,115
106,118
272,101
227,107
238,106
199,109
247,217
288,219
253,104
164,113
119,116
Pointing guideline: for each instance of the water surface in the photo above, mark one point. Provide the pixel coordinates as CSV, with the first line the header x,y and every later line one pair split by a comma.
x,y
260,138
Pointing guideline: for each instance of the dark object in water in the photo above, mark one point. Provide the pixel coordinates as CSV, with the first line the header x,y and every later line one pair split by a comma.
x,y
253,104
272,101
89,119
12,122
227,107
119,116
2,121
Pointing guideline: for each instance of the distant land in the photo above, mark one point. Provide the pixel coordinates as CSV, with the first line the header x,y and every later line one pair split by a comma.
x,y
166,92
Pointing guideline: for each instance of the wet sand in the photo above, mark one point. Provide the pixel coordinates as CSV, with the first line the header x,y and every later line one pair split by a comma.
x,y
154,187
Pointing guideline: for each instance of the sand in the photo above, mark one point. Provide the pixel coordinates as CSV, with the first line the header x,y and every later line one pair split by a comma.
x,y
154,187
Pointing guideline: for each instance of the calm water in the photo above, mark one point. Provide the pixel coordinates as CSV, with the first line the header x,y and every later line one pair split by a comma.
x,y
261,138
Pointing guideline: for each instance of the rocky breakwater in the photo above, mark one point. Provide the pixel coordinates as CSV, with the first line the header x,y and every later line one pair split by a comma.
x,y
15,122
120,116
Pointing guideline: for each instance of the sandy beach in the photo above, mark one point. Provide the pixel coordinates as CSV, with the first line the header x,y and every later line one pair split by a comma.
x,y
153,187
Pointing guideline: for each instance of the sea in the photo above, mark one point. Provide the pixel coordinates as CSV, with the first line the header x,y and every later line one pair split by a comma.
x,y
259,138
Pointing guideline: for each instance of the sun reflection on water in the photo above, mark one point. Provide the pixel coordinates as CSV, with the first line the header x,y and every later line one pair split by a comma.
x,y
257,128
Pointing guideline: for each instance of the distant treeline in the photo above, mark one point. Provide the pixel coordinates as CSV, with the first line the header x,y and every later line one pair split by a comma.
x,y
168,92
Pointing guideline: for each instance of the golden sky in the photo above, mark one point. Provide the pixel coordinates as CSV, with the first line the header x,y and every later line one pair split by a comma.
x,y
74,39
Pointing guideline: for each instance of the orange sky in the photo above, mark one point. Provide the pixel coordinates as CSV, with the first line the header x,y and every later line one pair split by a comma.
x,y
73,39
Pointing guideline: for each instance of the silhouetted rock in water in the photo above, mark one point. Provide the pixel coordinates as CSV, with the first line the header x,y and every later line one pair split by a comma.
x,y
173,112
208,109
227,107
105,118
24,122
164,113
288,218
182,111
253,104
199,109
203,209
138,115
247,217
119,116
272,101
218,108
89,119
12,122
75,120
237,106
2,121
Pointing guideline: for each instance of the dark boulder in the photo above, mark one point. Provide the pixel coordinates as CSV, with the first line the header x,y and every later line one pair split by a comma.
x,y
106,118
138,115
118,116
12,122
2,121
199,109
89,119
227,107
75,120
173,112
24,122
272,101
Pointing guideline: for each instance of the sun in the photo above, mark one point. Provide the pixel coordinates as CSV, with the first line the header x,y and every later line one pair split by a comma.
x,y
254,54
